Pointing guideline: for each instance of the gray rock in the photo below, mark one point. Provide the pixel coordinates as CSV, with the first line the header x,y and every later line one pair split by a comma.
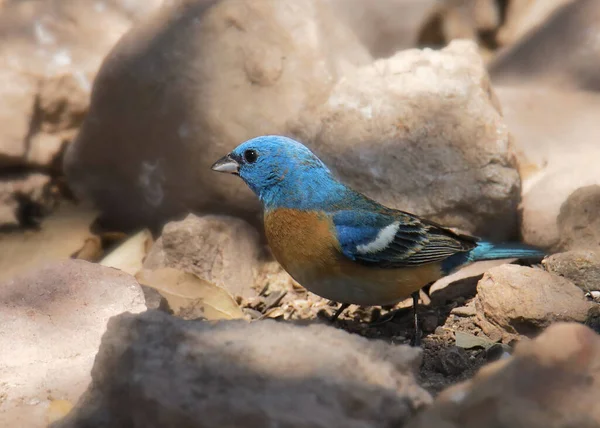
x,y
51,322
222,250
186,86
581,267
154,370
422,131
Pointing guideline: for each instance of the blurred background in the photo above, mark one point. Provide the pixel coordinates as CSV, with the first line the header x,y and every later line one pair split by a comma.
x,y
479,114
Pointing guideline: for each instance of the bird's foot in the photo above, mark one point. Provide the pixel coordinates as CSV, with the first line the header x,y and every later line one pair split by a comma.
x,y
341,309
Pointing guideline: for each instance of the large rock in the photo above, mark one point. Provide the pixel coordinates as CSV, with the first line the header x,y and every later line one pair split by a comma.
x,y
143,162
422,131
222,250
555,133
49,54
186,86
516,300
154,370
51,323
562,52
551,382
578,221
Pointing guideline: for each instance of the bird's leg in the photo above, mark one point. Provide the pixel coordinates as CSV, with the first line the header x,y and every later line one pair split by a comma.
x,y
341,309
416,340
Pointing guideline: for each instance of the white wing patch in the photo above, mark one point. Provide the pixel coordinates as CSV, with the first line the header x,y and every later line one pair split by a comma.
x,y
381,241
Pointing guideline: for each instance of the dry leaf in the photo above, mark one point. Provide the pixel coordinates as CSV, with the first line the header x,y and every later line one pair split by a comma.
x,y
468,341
90,251
185,291
57,410
129,256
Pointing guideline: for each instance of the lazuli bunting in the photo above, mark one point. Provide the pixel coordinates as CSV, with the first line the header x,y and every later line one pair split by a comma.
x,y
342,245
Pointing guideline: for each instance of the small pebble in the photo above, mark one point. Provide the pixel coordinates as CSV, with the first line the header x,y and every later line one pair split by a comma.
x,y
497,352
464,311
453,361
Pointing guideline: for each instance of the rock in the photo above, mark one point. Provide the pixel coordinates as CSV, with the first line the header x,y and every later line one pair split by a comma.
x,y
49,54
426,125
562,52
523,16
578,221
453,361
233,373
519,300
51,323
185,87
219,249
552,128
384,26
581,267
551,382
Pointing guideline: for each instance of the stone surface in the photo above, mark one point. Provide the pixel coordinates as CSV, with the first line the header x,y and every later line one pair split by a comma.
x,y
49,54
422,131
551,382
555,133
384,26
581,267
51,322
185,87
516,300
578,221
232,374
222,250
562,52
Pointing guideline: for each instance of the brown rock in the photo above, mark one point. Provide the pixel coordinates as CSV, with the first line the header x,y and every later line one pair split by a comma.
x,y
555,133
561,52
581,267
186,86
522,301
551,382
49,54
425,129
51,322
219,249
578,221
232,374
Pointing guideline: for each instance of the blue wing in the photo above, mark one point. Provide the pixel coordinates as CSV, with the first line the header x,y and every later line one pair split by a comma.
x,y
395,239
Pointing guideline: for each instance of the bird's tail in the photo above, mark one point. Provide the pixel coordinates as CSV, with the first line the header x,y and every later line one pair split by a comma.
x,y
489,251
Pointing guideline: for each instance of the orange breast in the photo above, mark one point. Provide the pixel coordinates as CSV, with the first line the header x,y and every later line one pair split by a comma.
x,y
304,243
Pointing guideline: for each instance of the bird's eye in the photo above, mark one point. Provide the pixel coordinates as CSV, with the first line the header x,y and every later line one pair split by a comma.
x,y
250,156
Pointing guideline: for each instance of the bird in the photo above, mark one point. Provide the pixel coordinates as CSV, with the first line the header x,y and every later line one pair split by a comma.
x,y
342,245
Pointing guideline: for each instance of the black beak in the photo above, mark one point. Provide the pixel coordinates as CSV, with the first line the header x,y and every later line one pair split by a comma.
x,y
226,164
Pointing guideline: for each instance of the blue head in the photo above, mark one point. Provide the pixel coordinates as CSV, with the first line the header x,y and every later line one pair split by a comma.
x,y
282,172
